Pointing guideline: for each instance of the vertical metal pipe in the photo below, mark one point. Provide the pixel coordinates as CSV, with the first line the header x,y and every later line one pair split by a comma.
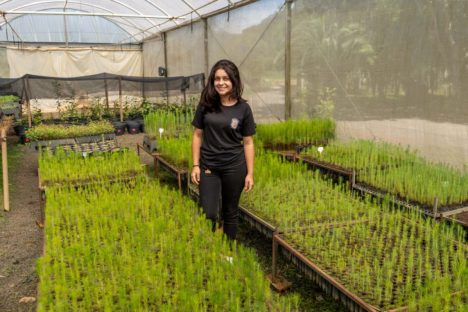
x,y
107,93
120,99
274,256
28,102
6,191
287,63
165,66
205,34
65,29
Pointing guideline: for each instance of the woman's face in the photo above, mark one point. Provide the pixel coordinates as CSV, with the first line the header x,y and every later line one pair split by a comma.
x,y
222,83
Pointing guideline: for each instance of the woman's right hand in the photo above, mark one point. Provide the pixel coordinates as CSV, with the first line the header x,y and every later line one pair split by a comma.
x,y
196,175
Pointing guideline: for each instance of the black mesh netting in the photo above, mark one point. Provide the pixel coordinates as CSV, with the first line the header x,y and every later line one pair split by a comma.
x,y
100,85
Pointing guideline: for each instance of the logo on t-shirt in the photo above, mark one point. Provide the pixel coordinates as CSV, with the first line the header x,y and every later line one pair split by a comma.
x,y
234,123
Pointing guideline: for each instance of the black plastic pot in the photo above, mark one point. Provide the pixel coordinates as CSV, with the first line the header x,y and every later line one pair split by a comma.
x,y
24,139
119,127
133,126
150,144
19,129
141,123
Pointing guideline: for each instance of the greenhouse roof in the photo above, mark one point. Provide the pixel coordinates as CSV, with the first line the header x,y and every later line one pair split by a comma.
x,y
99,21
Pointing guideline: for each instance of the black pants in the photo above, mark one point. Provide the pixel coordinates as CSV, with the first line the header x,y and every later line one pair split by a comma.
x,y
223,186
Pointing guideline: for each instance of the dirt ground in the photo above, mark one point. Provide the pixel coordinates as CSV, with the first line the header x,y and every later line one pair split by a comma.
x,y
21,238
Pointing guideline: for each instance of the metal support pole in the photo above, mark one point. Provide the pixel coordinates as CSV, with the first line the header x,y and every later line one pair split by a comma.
x,y
353,180
107,93
6,191
274,248
205,37
120,99
165,66
28,103
287,64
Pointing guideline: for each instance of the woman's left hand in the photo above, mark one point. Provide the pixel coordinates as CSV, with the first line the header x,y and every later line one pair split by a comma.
x,y
249,182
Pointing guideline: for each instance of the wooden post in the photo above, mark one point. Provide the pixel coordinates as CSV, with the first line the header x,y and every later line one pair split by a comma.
x,y
6,192
120,99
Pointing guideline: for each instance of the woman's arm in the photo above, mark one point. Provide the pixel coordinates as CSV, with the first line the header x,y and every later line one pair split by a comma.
x,y
249,159
196,145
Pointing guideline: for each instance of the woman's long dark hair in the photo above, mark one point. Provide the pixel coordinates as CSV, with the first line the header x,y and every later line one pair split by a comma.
x,y
210,99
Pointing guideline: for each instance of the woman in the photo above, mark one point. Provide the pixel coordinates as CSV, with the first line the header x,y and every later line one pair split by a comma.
x,y
222,146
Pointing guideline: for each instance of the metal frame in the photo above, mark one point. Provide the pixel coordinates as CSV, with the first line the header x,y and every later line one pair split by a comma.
x,y
143,33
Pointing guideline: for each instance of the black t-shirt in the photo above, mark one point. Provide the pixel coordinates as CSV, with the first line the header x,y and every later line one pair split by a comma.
x,y
223,133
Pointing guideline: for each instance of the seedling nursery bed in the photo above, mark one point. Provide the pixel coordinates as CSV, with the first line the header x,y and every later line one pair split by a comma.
x,y
381,266
71,141
324,167
128,177
179,174
350,176
434,211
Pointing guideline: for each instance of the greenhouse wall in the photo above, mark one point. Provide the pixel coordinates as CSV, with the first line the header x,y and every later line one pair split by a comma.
x,y
73,62
153,57
185,50
253,37
389,70
4,67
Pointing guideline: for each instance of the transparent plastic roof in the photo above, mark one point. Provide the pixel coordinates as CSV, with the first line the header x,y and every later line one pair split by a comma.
x,y
99,21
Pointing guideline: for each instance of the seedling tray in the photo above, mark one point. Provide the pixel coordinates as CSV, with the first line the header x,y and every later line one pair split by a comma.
x,y
324,167
179,174
434,212
339,282
102,146
261,225
322,278
82,183
95,138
